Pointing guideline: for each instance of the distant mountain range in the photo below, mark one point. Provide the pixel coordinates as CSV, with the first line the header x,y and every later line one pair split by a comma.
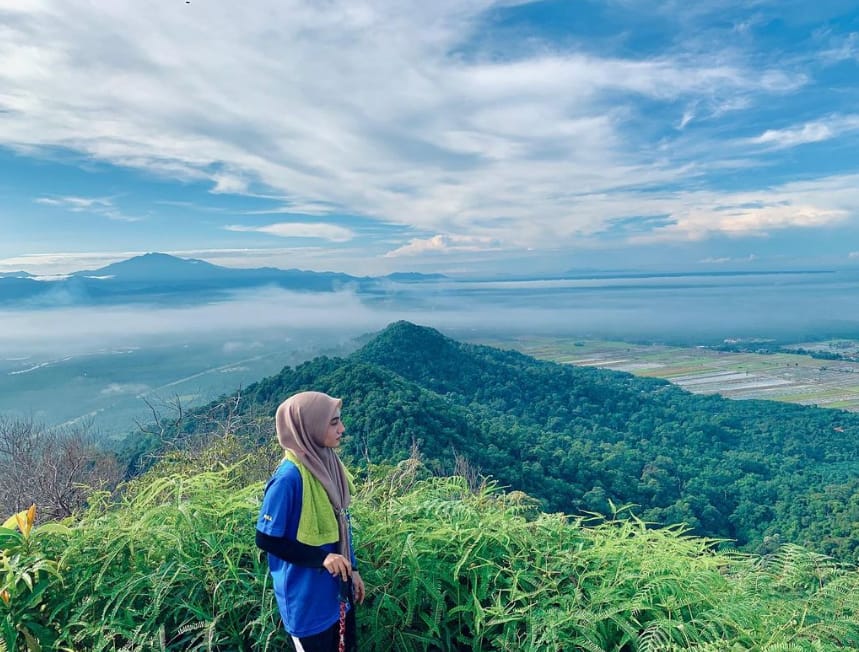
x,y
165,278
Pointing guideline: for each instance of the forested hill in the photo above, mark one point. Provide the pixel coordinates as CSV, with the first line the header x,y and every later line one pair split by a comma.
x,y
577,438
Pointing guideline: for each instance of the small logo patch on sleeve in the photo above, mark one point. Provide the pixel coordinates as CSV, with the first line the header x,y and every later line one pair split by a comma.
x,y
266,517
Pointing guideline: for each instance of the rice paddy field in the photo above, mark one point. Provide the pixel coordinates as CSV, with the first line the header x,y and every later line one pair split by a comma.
x,y
792,378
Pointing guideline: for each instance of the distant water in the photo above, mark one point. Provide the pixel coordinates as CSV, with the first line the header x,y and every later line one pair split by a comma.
x,y
693,308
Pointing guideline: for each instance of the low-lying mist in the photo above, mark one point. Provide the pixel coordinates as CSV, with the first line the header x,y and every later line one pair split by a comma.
x,y
104,363
703,312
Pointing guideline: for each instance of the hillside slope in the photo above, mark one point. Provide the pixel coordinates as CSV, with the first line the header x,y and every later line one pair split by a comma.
x,y
757,472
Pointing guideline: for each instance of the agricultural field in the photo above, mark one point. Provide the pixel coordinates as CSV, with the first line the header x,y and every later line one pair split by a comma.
x,y
775,376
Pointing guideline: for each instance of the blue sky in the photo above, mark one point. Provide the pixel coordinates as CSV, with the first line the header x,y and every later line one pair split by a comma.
x,y
461,136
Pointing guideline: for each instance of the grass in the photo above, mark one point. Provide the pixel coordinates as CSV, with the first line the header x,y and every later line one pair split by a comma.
x,y
172,566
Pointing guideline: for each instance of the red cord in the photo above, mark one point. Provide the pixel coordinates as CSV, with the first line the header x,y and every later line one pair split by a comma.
x,y
342,646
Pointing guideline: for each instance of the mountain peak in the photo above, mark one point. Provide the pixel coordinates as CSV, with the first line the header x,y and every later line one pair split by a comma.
x,y
405,333
154,265
419,352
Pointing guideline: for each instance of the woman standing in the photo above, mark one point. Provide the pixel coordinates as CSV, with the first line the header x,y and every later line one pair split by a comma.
x,y
304,527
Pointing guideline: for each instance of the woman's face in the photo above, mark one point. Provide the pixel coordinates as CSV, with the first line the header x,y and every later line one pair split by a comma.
x,y
334,432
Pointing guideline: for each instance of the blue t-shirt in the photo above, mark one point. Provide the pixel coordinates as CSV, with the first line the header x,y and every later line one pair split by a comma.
x,y
306,597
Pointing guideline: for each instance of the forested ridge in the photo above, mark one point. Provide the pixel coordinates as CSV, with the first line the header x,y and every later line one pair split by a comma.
x,y
578,439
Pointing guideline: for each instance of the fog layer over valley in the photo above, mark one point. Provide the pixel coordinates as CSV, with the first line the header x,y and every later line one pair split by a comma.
x,y
101,362
104,364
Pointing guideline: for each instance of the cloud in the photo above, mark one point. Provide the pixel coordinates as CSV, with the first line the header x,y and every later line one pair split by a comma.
x,y
114,389
685,216
694,216
102,206
668,307
842,48
391,110
63,263
761,220
441,244
76,204
330,232
687,117
743,221
728,259
88,329
296,208
810,132
229,184
853,254
235,346
191,206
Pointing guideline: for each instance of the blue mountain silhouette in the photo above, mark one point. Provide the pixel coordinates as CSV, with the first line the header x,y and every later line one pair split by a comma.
x,y
162,278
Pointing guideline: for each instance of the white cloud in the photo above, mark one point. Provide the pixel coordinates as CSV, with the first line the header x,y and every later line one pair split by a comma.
x,y
63,263
615,313
441,244
853,254
727,259
330,232
76,204
249,311
689,216
688,116
102,206
842,49
113,389
367,105
296,208
696,215
810,132
236,346
229,184
741,221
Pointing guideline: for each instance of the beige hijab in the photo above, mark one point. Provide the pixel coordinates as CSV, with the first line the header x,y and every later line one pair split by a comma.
x,y
302,421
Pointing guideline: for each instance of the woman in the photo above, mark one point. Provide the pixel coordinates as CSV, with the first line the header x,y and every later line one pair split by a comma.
x,y
304,526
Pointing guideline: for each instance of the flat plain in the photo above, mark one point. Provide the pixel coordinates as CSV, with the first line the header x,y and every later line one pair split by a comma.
x,y
112,389
788,377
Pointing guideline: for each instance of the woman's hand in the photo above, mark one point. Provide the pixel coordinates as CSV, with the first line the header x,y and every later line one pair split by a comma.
x,y
358,585
338,565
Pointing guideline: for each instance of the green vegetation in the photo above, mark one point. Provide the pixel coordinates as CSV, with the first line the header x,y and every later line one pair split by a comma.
x,y
790,374
578,439
450,566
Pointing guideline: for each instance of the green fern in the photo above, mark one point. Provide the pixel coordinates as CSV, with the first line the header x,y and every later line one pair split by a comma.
x,y
447,568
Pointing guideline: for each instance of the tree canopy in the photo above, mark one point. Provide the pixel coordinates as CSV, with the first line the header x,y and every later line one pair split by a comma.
x,y
759,473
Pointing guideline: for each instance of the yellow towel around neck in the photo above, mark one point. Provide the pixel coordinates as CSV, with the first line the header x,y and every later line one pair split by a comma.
x,y
317,523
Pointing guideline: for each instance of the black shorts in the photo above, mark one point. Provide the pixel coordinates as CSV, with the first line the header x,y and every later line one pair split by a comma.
x,y
329,640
